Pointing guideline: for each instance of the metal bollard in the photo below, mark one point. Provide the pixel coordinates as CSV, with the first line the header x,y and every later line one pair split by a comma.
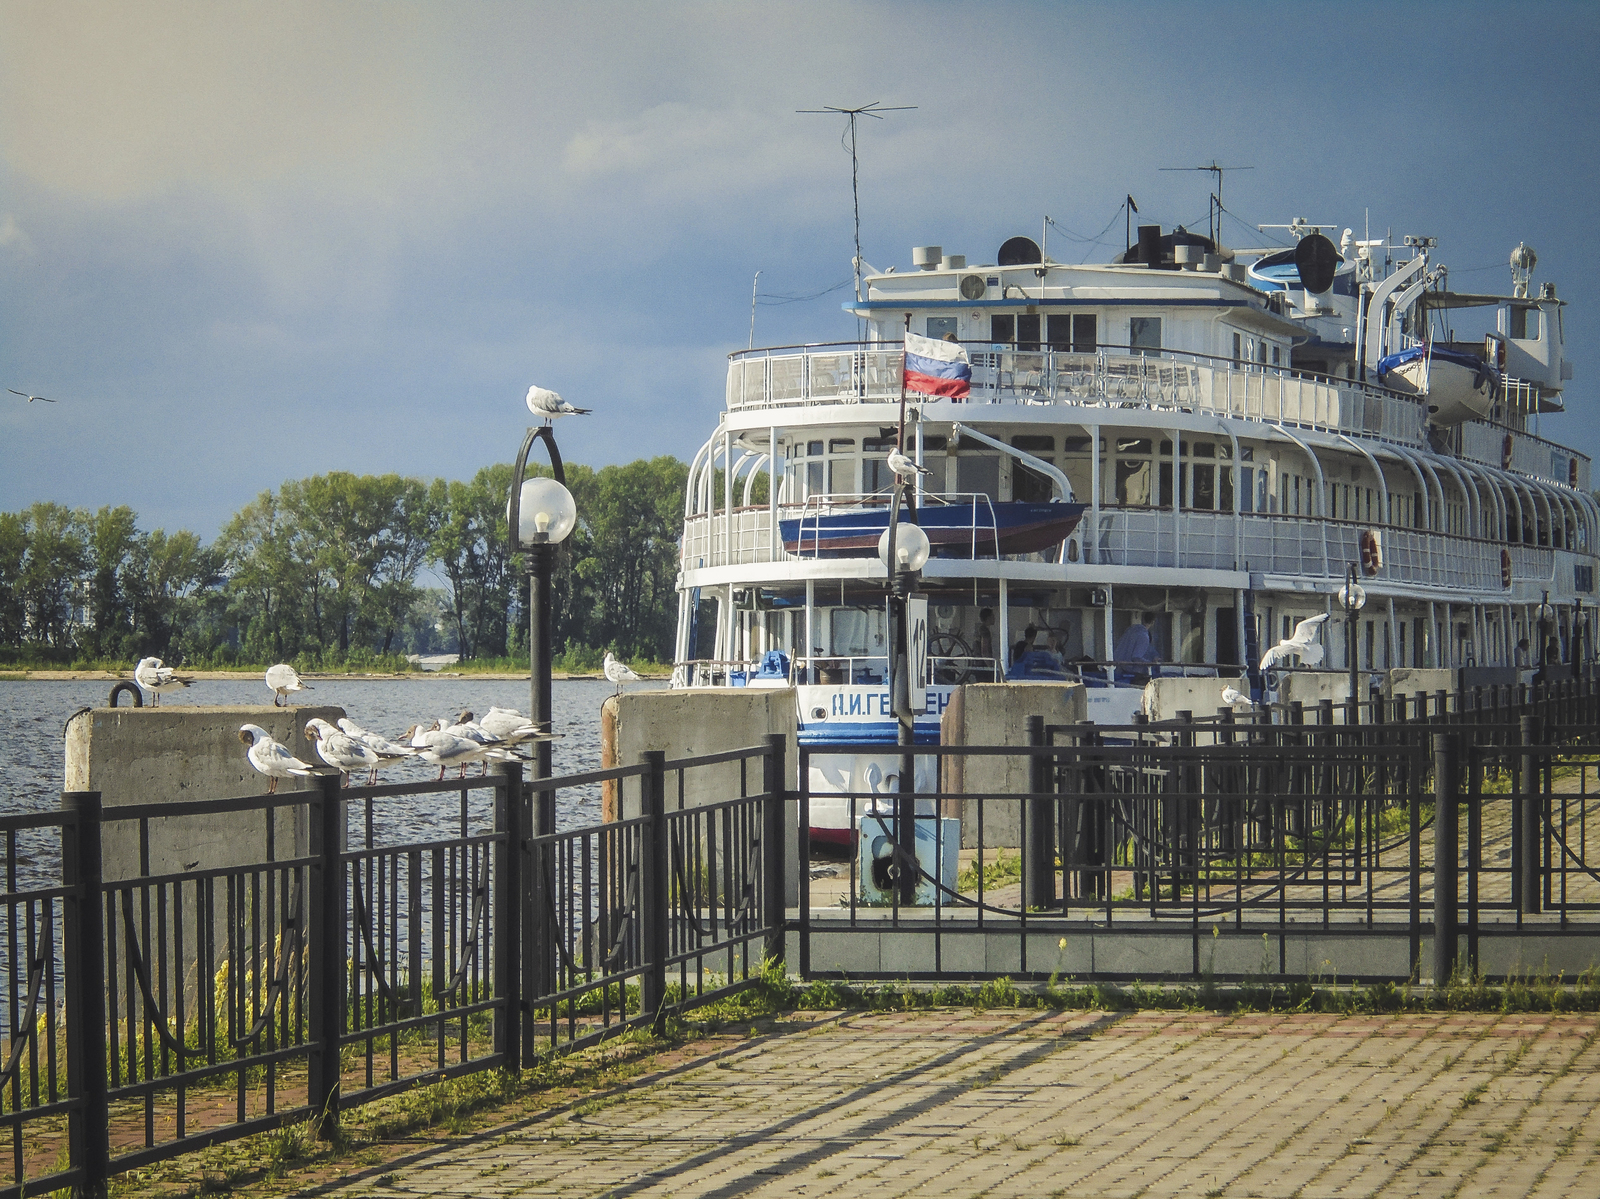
x,y
1038,825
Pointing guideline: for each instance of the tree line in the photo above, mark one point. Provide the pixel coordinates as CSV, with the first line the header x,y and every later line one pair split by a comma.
x,y
340,568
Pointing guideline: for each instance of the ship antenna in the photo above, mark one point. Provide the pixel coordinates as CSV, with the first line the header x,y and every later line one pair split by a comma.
x,y
753,283
875,110
1215,221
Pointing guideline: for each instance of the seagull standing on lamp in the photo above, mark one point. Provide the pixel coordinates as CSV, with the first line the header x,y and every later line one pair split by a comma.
x,y
903,549
1352,597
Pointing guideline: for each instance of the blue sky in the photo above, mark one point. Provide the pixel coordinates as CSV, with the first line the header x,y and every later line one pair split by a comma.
x,y
246,243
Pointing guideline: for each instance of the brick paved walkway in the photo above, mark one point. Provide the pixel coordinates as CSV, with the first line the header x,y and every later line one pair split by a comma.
x,y
1076,1104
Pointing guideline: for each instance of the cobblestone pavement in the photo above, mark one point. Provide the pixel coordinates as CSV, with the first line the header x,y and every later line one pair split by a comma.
x,y
1076,1104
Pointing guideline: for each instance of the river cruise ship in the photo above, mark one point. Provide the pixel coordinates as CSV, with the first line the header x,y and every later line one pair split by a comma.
x,y
1192,439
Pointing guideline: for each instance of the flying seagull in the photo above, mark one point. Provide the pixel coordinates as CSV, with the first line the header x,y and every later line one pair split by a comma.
x,y
282,679
28,397
905,467
157,679
618,672
271,758
1302,643
546,403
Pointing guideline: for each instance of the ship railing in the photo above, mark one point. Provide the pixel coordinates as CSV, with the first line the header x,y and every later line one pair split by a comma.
x,y
1522,453
1109,377
1281,544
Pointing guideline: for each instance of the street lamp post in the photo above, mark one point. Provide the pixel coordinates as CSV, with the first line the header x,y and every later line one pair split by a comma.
x,y
1546,616
1353,597
903,549
541,515
1576,638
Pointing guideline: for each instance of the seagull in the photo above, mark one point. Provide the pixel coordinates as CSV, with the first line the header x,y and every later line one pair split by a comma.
x,y
1302,643
28,397
343,751
512,727
376,742
270,757
904,467
157,679
282,679
447,749
619,673
546,403
1237,700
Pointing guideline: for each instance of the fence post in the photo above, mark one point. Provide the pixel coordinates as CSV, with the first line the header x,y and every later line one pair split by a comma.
x,y
1529,826
1445,849
1038,826
540,931
83,949
325,983
508,894
655,888
774,853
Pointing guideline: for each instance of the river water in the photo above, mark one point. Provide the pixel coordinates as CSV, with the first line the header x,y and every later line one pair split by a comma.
x,y
32,715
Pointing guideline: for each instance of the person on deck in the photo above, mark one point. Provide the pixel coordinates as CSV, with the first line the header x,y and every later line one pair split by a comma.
x,y
1134,647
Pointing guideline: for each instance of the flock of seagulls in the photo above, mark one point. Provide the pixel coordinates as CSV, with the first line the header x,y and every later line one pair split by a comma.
x,y
351,749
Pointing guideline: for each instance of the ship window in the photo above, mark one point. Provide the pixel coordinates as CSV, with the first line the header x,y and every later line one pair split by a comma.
x,y
814,479
933,443
875,475
1519,323
1133,481
1058,331
938,326
1238,344
1085,333
1225,489
1276,360
1031,486
813,447
1200,449
1140,446
1028,331
978,474
1144,333
1034,444
841,445
1002,329
1077,445
1205,486
857,632
1247,453
1261,353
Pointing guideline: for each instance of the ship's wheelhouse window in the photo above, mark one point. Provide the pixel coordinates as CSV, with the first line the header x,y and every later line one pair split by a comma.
x,y
1144,333
1029,485
1003,329
856,632
938,326
1085,333
1238,349
1276,359
1020,330
841,465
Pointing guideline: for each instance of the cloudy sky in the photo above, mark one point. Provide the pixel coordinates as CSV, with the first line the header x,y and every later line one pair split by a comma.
x,y
244,243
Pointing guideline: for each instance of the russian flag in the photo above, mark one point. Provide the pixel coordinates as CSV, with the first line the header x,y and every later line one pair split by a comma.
x,y
937,368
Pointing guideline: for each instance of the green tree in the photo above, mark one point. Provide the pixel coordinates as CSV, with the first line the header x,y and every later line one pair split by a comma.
x,y
469,546
111,537
50,580
13,552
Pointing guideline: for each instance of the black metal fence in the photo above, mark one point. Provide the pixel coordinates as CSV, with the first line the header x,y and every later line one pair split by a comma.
x,y
1276,821
346,957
